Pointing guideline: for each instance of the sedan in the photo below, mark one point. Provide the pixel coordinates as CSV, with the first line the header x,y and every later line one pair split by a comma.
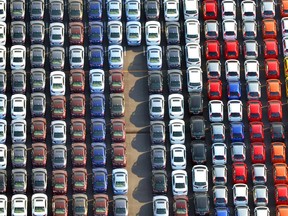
x,y
76,33
18,57
98,154
58,132
179,182
18,81
155,82
97,105
176,106
174,57
18,131
100,180
115,56
116,81
39,180
80,204
119,155
56,34
37,8
115,32
133,10
75,10
38,129
178,157
118,130
19,180
95,32
114,10
57,83
133,33
157,132
95,10
37,80
98,130
120,181
77,81
59,157
56,11
96,56
161,204
154,57
58,107
39,154
59,182
57,58
117,105
171,11
158,156
100,205
19,204
120,205
96,80
79,180
79,154
77,105
60,205
17,9
78,130
153,33
76,57
177,131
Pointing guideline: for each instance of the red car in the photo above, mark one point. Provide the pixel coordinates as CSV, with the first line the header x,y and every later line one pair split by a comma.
x,y
100,205
79,180
78,130
256,130
210,10
59,182
270,48
212,49
118,130
58,107
76,33
275,111
79,154
214,89
273,87
272,69
254,110
39,154
280,174
281,194
60,205
77,105
240,172
278,152
116,81
38,129
258,152
119,156
180,206
77,81
231,50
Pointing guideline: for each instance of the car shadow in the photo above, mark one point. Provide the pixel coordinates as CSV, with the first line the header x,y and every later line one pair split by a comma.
x,y
140,83
144,210
140,192
136,66
140,117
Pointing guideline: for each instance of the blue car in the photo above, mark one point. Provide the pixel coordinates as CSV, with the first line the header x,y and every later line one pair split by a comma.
x,y
100,180
234,90
237,132
222,211
95,32
98,154
95,10
98,130
97,105
96,57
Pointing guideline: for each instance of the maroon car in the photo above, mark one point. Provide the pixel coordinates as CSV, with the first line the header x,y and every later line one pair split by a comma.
x,y
78,130
38,129
79,179
116,81
118,130
77,81
59,182
60,205
76,33
100,205
119,156
78,154
58,107
77,105
180,206
39,154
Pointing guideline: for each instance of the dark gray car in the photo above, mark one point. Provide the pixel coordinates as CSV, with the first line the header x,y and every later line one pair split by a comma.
x,y
175,81
172,32
157,132
159,181
3,81
56,10
117,105
17,9
120,205
18,81
152,9
19,155
37,32
174,57
37,56
201,203
198,152
37,9
155,82
57,58
277,131
158,157
3,181
195,103
38,79
38,104
197,127
19,180
80,204
18,32
39,180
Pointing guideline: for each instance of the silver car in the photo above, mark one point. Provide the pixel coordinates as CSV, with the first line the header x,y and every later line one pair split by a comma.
x,y
219,174
250,49
260,195
268,9
220,195
213,68
57,58
253,89
115,57
19,180
133,33
58,132
59,156
114,9
76,57
217,132
219,153
262,211
3,131
56,10
259,174
18,131
211,29
238,152
133,10
156,107
17,9
249,29
39,180
37,8
18,81
3,81
240,194
242,210
37,56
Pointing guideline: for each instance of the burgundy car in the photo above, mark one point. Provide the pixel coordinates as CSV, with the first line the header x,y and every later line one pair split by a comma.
x,y
38,129
77,105
79,180
77,81
180,206
118,130
39,154
78,130
78,154
76,33
59,182
119,156
100,205
58,107
60,205
116,81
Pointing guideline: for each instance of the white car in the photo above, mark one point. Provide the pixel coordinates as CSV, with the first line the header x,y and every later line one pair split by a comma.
x,y
250,49
193,55
58,132
156,106
268,9
57,83
216,110
114,32
114,9
160,206
261,211
285,46
171,10
219,174
190,9
3,10
284,26
96,80
240,194
228,9
177,131
248,10
3,54
133,33
133,10
178,156
219,153
3,106
194,79
56,34
153,33
19,204
211,29
3,131
76,57
18,57
120,181
251,68
229,29
232,70
176,106
179,182
115,56
249,29
235,110
3,205
154,57
3,33
18,106
200,178
18,131
39,202
260,195
192,31
3,157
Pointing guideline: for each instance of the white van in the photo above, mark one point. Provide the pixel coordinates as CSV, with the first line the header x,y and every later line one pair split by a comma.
x,y
194,79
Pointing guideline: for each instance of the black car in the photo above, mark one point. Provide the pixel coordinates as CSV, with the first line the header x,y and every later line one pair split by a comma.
x,y
174,57
195,103
197,127
56,10
198,152
18,81
3,81
37,32
277,131
201,203
159,181
172,32
152,9
37,9
175,81
155,82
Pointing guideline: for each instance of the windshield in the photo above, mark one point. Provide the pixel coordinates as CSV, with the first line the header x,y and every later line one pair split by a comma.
x,y
133,35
